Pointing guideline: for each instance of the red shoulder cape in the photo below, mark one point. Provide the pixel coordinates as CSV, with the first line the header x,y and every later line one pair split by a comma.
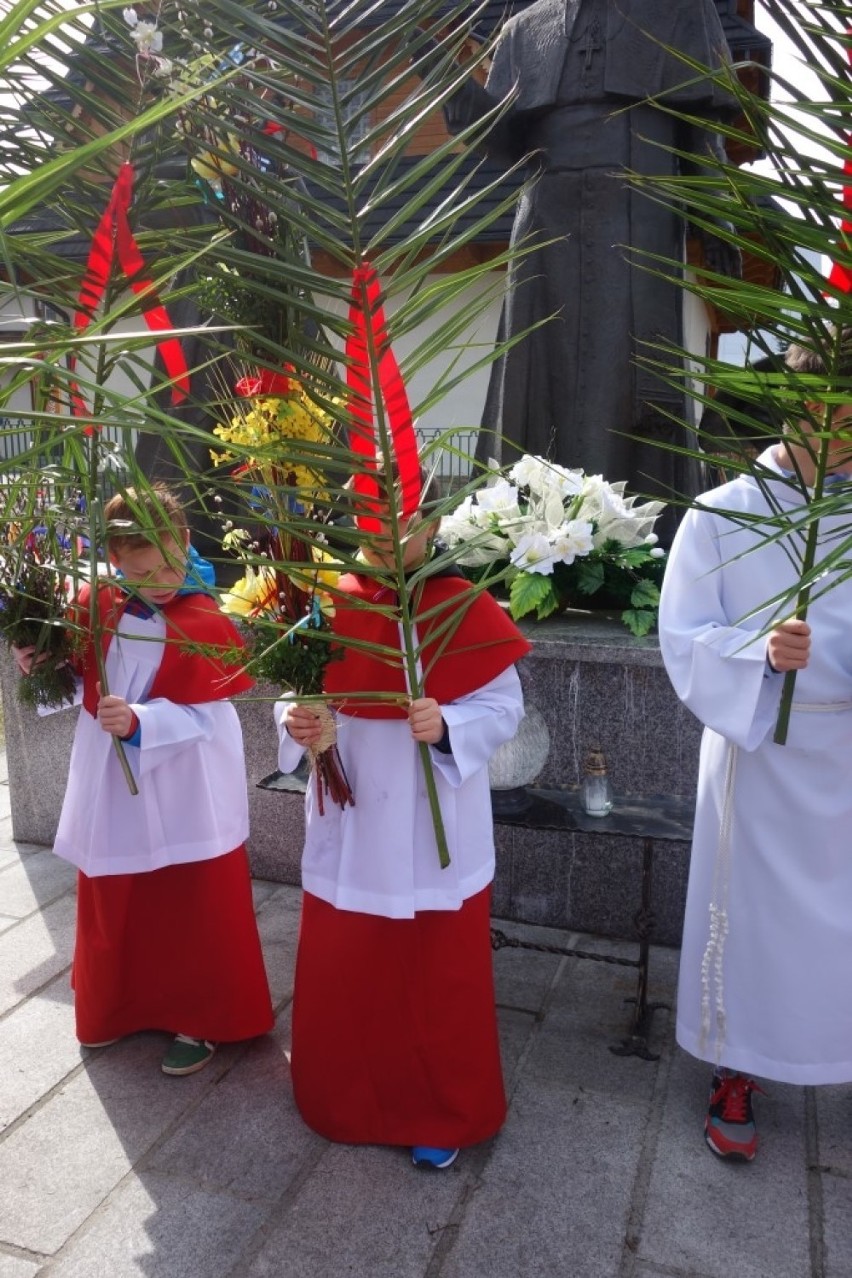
x,y
467,639
198,654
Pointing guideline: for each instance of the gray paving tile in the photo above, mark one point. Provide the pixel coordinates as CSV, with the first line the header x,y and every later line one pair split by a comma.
x,y
554,1196
363,1211
834,1110
837,1210
104,1120
246,1136
35,951
515,1031
33,882
716,1219
162,1227
38,1047
16,1267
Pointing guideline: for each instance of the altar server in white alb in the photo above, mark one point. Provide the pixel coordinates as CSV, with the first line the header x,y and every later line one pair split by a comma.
x,y
166,933
394,1020
767,946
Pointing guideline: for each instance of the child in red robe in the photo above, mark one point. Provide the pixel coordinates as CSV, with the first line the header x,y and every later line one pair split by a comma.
x,y
394,1020
166,933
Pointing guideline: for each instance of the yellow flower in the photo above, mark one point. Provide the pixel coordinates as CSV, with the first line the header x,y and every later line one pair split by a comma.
x,y
252,594
268,430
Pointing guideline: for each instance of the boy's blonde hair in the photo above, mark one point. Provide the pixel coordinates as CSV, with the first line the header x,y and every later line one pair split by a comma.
x,y
135,518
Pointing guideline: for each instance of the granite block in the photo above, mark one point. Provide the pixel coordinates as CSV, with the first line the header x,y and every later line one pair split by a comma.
x,y
541,876
251,1123
156,1226
38,1048
834,1121
18,1267
103,1120
515,1029
837,1217
589,1012
704,1216
364,1210
34,951
34,882
555,1194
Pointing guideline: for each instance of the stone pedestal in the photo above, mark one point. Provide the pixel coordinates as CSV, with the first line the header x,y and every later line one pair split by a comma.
x,y
593,683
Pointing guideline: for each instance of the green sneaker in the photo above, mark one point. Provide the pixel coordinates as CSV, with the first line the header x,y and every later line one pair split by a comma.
x,y
187,1055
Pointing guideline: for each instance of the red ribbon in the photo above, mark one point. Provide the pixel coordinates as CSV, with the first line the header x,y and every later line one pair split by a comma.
x,y
114,238
370,319
841,276
265,382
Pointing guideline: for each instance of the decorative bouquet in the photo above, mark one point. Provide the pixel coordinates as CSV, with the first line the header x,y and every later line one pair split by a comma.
x,y
280,438
34,613
562,537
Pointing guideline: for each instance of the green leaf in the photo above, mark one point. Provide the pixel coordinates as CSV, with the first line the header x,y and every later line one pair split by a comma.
x,y
530,592
639,621
645,594
589,576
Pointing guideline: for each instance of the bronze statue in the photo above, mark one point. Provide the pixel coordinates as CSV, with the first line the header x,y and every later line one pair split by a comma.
x,y
583,72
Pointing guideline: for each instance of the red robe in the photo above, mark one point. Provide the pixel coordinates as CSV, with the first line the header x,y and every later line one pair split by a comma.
x,y
177,948
394,1020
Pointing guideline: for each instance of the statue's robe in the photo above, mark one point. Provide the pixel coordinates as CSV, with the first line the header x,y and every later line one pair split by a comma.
x,y
582,74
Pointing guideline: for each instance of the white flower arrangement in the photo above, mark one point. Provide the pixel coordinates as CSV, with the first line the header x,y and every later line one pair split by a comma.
x,y
561,536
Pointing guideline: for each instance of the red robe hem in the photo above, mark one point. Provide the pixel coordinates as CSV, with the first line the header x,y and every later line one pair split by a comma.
x,y
395,1026
175,949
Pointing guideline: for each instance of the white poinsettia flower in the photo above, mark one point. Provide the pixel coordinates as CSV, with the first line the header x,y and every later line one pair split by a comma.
x,y
500,497
573,541
562,481
553,509
482,548
619,518
541,476
534,553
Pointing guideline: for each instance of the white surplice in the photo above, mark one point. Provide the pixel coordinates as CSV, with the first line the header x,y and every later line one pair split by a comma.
x,y
192,803
772,849
380,856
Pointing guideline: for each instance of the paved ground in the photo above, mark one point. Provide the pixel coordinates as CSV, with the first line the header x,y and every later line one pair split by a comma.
x,y
109,1169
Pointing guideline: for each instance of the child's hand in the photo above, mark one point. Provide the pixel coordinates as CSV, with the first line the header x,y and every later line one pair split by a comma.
x,y
302,724
789,646
427,722
115,716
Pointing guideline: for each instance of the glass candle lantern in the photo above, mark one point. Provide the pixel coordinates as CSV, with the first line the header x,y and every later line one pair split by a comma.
x,y
596,792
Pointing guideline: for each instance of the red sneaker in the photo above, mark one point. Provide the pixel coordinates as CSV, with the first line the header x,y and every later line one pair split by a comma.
x,y
729,1127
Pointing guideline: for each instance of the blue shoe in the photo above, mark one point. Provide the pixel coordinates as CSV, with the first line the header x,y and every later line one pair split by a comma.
x,y
426,1156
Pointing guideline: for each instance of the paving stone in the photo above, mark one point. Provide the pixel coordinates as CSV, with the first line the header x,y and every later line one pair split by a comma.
x,y
62,1161
16,1267
246,1136
555,1194
837,1210
587,1016
38,1047
707,1217
157,1226
834,1110
515,1030
363,1211
32,883
35,951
